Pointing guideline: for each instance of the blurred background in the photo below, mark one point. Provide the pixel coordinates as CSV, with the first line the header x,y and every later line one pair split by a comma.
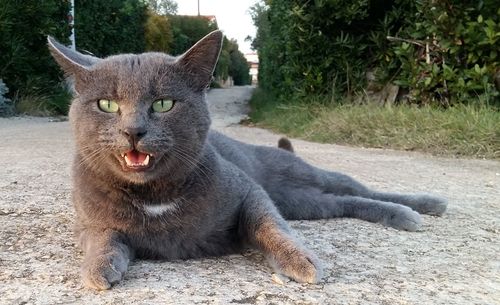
x,y
32,83
436,60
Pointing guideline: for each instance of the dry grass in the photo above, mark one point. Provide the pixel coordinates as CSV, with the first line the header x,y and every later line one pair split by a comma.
x,y
463,130
41,104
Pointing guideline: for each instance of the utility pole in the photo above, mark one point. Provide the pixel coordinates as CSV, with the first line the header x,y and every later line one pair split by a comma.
x,y
71,18
198,7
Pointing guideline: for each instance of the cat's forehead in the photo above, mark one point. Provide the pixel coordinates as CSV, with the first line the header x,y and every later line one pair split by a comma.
x,y
135,62
134,76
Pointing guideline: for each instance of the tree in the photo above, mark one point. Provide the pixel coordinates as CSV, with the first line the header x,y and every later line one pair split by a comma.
x,y
188,30
238,65
163,7
158,33
110,27
25,64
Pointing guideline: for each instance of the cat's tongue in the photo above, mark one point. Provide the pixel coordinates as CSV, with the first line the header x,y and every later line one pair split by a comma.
x,y
136,158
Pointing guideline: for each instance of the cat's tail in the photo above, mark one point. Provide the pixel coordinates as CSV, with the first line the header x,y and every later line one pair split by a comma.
x,y
285,144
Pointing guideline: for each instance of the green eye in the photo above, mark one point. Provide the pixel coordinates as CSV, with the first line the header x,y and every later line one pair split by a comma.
x,y
108,106
163,105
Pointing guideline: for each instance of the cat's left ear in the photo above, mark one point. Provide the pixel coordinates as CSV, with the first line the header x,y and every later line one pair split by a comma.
x,y
201,59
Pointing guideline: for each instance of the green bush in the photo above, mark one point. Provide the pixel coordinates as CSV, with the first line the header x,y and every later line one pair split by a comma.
x,y
232,63
237,67
102,28
158,33
449,51
25,64
439,52
110,27
187,30
312,47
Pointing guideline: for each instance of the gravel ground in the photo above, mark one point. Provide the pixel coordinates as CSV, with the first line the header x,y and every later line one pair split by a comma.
x,y
453,260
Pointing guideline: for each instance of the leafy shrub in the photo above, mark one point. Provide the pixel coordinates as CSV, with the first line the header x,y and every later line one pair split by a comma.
x,y
440,52
110,27
312,47
237,66
158,33
449,51
239,69
101,28
39,102
187,30
25,63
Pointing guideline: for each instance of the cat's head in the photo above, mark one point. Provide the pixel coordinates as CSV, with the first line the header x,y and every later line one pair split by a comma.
x,y
140,117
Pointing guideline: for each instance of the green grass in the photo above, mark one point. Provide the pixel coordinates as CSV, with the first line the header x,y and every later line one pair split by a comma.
x,y
462,130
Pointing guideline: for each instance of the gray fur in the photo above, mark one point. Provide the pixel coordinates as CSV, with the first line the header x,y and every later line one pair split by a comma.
x,y
205,194
285,144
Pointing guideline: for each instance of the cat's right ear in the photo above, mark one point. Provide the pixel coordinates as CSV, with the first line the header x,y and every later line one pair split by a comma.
x,y
72,62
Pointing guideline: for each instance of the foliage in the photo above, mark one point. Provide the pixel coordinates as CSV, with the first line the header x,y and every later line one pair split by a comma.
x,y
158,33
452,51
25,63
233,63
239,68
311,47
187,30
102,28
439,52
110,27
39,103
163,7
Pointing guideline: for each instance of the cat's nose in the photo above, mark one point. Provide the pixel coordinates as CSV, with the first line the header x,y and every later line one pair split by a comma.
x,y
134,134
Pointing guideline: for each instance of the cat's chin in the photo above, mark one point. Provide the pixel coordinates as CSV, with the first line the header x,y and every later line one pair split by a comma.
x,y
136,176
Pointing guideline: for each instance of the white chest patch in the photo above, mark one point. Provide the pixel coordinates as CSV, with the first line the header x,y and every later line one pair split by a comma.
x,y
160,209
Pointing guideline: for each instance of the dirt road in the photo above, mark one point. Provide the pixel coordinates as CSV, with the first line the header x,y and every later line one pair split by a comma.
x,y
454,260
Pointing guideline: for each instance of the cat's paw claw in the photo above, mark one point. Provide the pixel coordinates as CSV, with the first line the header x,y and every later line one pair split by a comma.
x,y
103,271
404,218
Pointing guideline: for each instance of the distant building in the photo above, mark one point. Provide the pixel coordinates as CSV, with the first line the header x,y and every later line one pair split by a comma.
x,y
211,19
253,62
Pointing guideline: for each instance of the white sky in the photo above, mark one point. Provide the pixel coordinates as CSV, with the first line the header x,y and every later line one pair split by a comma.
x,y
232,16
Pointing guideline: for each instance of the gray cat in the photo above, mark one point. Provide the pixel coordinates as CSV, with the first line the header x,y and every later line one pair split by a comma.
x,y
152,181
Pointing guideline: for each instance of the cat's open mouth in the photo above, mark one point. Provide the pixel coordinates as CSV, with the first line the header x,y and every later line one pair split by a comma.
x,y
136,160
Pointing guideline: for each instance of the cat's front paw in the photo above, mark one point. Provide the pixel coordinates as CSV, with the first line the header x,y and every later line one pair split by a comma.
x,y
104,270
403,218
299,265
